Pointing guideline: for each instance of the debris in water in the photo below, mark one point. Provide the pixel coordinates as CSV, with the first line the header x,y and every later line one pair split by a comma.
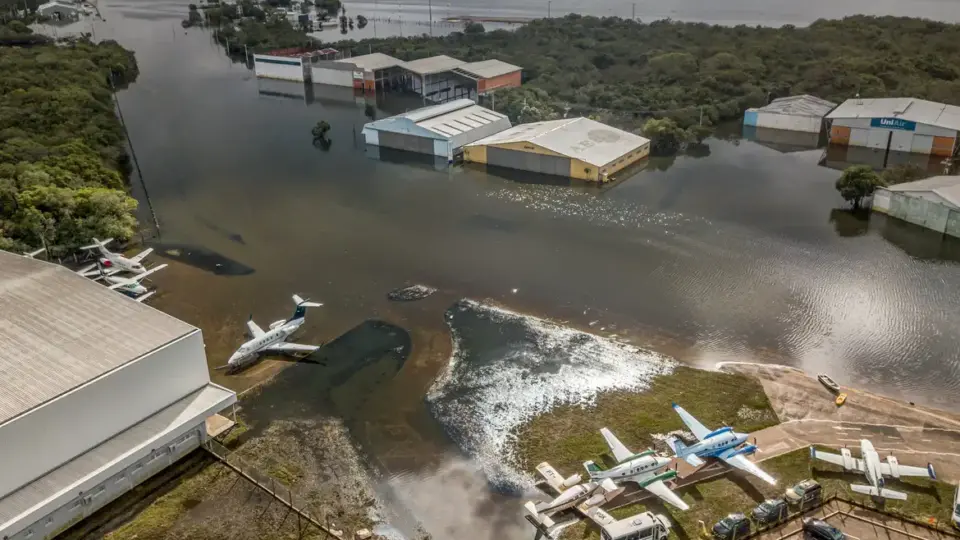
x,y
514,291
409,294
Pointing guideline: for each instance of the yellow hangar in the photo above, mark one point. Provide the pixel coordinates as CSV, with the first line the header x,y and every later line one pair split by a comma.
x,y
574,147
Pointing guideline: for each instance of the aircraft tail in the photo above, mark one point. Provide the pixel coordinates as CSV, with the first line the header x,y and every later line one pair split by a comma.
x,y
681,451
593,469
302,305
882,492
100,245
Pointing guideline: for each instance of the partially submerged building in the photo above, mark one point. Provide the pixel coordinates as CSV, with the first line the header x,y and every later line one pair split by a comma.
x,y
59,11
794,113
293,64
573,147
933,203
98,393
431,77
366,72
483,77
896,124
439,130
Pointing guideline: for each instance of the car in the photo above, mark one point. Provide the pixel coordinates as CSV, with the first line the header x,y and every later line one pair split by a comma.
x,y
770,511
731,527
956,508
803,493
817,529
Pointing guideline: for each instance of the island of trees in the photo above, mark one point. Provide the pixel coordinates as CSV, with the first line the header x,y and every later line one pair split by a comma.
x,y
63,163
696,74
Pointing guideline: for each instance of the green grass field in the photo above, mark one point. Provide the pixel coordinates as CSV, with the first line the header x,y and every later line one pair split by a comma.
x,y
569,435
711,500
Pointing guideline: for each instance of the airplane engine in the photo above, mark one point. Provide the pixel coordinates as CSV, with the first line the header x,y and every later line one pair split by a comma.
x,y
572,481
275,324
894,466
596,500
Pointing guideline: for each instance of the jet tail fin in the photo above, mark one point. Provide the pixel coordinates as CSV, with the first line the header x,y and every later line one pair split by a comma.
x,y
592,469
883,492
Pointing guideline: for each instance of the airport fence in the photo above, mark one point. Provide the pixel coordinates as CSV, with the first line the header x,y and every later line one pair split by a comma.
x,y
269,485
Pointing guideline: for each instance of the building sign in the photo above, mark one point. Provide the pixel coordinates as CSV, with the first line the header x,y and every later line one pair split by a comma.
x,y
893,123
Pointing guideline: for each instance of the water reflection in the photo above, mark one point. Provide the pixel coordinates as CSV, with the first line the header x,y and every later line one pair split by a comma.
x,y
916,241
782,140
841,157
849,223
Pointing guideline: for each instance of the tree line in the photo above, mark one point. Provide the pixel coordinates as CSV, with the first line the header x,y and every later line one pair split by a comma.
x,y
698,74
63,163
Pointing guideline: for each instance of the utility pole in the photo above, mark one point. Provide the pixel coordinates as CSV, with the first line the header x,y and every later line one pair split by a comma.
x,y
633,12
430,12
701,115
548,7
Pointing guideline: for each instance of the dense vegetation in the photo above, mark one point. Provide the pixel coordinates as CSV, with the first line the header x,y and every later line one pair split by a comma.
x,y
589,65
62,156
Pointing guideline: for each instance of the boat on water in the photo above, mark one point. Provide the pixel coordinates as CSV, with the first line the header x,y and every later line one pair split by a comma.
x,y
829,383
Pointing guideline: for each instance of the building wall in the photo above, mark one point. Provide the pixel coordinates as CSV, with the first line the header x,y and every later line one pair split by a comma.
x,y
333,73
279,67
75,422
510,80
922,138
625,160
926,211
578,169
115,483
881,200
371,136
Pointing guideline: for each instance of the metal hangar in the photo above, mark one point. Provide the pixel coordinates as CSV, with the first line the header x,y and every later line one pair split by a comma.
x,y
574,147
440,130
99,392
898,124
794,113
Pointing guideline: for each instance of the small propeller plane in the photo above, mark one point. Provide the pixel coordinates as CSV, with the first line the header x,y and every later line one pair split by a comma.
x,y
640,469
130,286
874,469
273,340
571,494
114,262
723,444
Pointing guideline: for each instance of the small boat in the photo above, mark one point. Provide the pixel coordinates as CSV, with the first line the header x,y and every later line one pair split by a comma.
x,y
841,399
829,383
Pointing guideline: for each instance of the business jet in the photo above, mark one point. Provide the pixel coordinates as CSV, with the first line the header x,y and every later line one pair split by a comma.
x,y
640,469
870,465
114,262
273,340
723,444
130,286
571,494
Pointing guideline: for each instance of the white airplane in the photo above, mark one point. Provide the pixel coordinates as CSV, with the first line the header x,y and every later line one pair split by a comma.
x,y
874,469
273,340
130,286
640,469
114,262
572,494
723,444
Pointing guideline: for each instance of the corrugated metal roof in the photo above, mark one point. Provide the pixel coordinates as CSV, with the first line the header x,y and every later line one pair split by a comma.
x,y
947,187
802,105
59,330
581,138
463,120
373,61
911,109
487,69
431,65
419,115
62,480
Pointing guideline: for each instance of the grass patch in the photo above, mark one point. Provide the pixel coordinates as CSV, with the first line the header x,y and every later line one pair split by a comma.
x,y
234,437
711,500
155,520
568,435
288,474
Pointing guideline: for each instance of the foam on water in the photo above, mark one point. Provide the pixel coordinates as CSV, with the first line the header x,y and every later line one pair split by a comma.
x,y
507,368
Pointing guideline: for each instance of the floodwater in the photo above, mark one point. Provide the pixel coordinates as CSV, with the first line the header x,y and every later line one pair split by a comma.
x,y
738,252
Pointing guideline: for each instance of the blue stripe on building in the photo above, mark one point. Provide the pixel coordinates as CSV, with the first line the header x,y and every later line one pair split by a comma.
x,y
273,61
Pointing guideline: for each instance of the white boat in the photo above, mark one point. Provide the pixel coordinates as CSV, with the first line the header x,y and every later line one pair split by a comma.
x,y
828,382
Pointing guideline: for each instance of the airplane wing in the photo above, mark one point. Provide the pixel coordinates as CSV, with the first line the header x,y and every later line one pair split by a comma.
x,y
741,462
255,331
290,348
699,430
661,490
620,452
853,464
142,255
144,296
86,270
138,277
598,515
551,475
906,470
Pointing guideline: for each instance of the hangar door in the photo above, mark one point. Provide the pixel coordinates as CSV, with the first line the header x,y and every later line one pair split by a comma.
x,y
528,161
403,141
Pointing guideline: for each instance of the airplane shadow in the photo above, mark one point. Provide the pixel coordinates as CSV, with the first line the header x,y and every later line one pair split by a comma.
x,y
747,487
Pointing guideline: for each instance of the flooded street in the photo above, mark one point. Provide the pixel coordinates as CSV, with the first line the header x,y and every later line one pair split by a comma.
x,y
736,255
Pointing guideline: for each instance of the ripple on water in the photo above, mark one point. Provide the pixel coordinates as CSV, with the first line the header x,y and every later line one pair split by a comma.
x,y
507,368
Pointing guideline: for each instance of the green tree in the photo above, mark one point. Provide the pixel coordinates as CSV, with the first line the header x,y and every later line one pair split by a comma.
x,y
858,182
666,137
474,28
320,130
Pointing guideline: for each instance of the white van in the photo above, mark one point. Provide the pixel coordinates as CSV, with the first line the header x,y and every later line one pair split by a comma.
x,y
645,526
956,508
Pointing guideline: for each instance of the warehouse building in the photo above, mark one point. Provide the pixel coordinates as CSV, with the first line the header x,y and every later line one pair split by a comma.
x,y
98,393
367,72
572,147
482,78
440,130
58,11
794,113
294,64
896,124
431,77
933,203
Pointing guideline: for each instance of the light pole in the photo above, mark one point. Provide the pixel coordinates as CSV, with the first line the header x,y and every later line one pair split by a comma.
x,y
548,7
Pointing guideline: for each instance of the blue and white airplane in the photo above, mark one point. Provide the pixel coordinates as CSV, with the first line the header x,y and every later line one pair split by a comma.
x,y
272,341
724,444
